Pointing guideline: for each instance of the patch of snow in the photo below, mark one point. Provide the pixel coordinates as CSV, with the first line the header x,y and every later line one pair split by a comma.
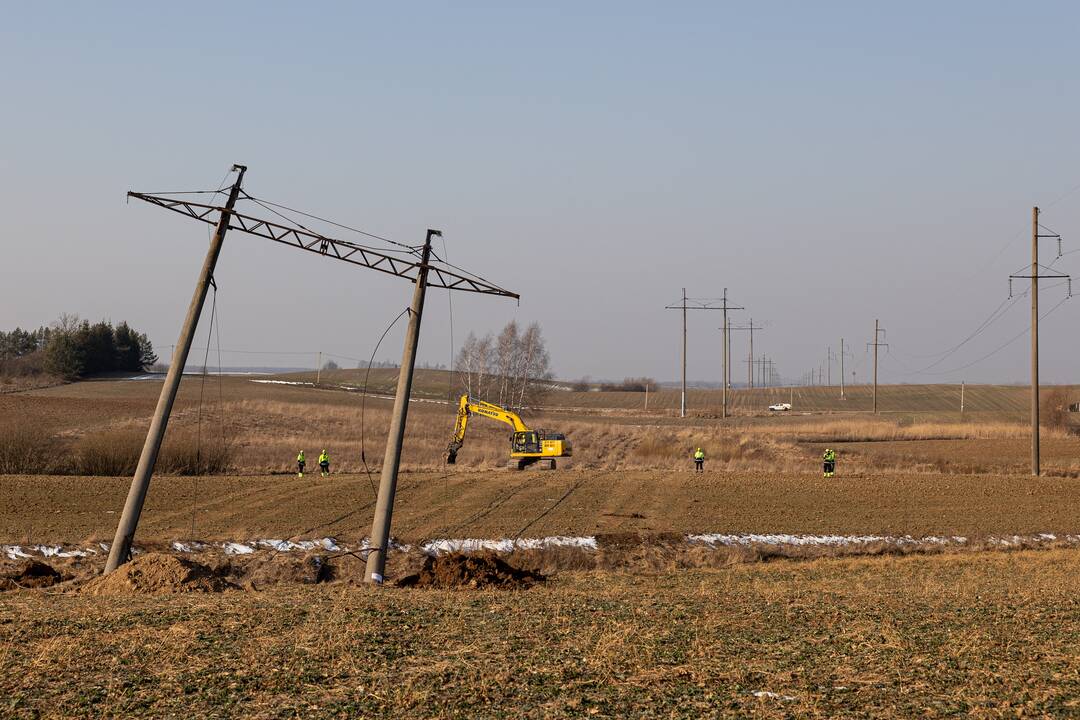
x,y
720,539
284,382
188,547
13,552
234,548
505,545
58,551
773,696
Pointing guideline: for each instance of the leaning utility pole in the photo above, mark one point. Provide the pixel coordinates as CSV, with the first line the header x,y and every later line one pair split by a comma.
x,y
424,273
878,333
120,550
684,305
1034,277
384,503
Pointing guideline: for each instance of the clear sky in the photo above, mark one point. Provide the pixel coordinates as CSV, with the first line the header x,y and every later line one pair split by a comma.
x,y
827,162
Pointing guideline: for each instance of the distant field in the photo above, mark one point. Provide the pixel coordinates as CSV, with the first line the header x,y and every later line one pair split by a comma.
x,y
1004,400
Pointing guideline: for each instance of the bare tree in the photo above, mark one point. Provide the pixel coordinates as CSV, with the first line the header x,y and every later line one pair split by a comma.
x,y
512,369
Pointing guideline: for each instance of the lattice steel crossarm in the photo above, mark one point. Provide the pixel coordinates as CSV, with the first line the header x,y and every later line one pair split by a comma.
x,y
323,245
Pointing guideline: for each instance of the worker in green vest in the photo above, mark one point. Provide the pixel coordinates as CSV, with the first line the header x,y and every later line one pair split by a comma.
x,y
699,460
300,464
324,463
828,463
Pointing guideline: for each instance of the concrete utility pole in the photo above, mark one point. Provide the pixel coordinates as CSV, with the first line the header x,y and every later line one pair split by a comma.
x,y
1035,341
750,327
878,332
828,362
961,398
1034,277
384,504
727,352
841,368
318,368
129,518
684,305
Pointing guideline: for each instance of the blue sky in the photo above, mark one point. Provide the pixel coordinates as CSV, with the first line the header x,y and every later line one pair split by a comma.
x,y
829,163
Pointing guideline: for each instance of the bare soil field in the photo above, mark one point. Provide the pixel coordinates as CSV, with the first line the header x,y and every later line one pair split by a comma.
x,y
497,504
988,635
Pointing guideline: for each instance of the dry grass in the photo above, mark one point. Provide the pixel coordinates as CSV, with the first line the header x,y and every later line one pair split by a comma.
x,y
982,635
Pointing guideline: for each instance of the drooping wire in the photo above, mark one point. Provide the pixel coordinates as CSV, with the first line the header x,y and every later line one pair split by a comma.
x,y
1007,343
363,397
198,421
269,206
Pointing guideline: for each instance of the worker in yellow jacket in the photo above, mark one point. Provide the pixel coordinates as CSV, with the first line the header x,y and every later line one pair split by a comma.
x,y
699,460
324,463
300,464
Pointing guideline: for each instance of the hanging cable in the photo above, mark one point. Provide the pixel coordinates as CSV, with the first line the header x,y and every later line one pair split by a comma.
x,y
269,206
998,349
198,415
363,397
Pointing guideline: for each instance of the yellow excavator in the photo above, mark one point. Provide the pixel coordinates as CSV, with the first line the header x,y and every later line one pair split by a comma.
x,y
527,447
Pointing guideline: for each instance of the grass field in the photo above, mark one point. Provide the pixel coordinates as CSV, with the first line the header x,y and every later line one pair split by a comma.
x,y
990,635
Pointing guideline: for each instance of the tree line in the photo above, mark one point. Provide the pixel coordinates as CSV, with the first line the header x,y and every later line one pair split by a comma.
x,y
512,369
72,348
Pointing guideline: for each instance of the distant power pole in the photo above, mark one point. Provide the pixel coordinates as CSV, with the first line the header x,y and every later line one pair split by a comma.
x,y
878,333
841,368
684,305
828,363
1034,277
750,327
727,351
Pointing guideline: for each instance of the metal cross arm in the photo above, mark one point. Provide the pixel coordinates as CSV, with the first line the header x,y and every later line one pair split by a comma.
x,y
337,249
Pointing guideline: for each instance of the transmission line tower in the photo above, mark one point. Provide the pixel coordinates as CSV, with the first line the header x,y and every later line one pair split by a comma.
x,y
411,263
1034,277
879,332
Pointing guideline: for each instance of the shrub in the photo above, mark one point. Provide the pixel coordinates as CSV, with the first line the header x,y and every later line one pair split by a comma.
x,y
1055,408
116,453
19,449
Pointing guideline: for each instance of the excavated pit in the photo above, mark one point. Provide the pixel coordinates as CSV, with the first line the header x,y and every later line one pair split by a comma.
x,y
478,571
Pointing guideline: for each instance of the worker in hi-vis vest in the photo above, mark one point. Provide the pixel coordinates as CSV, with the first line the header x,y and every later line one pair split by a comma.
x,y
324,463
828,464
699,460
300,464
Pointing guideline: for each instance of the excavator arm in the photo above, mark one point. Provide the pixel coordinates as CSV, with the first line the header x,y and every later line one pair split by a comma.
x,y
477,407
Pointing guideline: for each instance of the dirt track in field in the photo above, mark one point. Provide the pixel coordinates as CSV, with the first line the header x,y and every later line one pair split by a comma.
x,y
535,504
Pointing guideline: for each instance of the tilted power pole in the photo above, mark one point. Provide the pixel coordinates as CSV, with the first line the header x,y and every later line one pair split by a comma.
x,y
120,551
1034,277
384,504
424,273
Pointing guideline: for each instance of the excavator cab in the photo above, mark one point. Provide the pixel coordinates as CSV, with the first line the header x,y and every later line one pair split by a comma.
x,y
525,442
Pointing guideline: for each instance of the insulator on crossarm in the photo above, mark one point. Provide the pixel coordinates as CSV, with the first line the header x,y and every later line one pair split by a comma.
x,y
1068,287
1059,247
1010,288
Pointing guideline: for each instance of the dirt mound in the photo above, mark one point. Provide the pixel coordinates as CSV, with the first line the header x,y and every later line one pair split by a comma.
x,y
158,573
458,570
31,574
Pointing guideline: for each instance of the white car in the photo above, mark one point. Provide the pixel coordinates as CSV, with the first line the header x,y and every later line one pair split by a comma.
x,y
780,407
